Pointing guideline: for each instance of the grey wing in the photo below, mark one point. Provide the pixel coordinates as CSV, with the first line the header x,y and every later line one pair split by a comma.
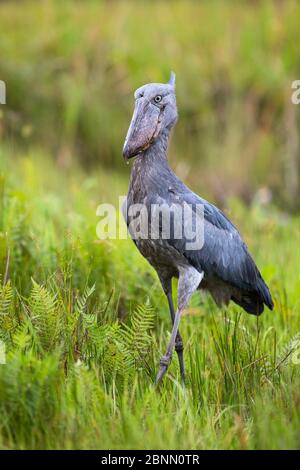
x,y
224,255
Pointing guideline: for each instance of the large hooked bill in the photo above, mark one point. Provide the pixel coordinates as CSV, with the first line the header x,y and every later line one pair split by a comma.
x,y
144,128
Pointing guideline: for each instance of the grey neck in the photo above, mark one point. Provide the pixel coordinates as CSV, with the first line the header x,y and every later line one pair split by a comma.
x,y
155,156
151,173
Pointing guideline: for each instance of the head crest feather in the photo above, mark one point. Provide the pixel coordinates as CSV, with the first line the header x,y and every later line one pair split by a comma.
x,y
172,79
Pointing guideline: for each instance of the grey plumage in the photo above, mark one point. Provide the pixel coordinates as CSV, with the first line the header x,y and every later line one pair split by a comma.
x,y
223,265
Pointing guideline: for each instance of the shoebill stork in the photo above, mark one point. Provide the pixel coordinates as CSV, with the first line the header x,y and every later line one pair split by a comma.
x,y
220,265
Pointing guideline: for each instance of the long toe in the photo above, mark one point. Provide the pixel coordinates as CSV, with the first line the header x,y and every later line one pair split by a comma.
x,y
163,367
160,375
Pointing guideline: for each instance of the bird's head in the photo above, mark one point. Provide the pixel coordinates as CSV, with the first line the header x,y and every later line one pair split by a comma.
x,y
155,111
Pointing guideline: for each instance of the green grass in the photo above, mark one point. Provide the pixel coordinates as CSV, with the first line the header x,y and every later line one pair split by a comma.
x,y
85,322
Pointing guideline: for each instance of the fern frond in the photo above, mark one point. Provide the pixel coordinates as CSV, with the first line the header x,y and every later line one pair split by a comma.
x,y
135,338
287,351
8,321
6,298
83,300
44,314
284,358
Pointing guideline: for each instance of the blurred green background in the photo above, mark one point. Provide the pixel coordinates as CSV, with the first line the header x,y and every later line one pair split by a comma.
x,y
71,69
83,321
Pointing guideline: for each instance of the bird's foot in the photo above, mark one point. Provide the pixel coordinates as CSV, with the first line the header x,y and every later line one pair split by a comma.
x,y
163,366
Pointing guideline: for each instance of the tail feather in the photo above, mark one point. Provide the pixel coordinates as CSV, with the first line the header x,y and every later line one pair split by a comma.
x,y
251,304
253,301
265,293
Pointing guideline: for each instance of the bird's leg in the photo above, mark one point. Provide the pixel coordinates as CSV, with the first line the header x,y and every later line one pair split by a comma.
x,y
166,282
178,340
166,359
189,280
